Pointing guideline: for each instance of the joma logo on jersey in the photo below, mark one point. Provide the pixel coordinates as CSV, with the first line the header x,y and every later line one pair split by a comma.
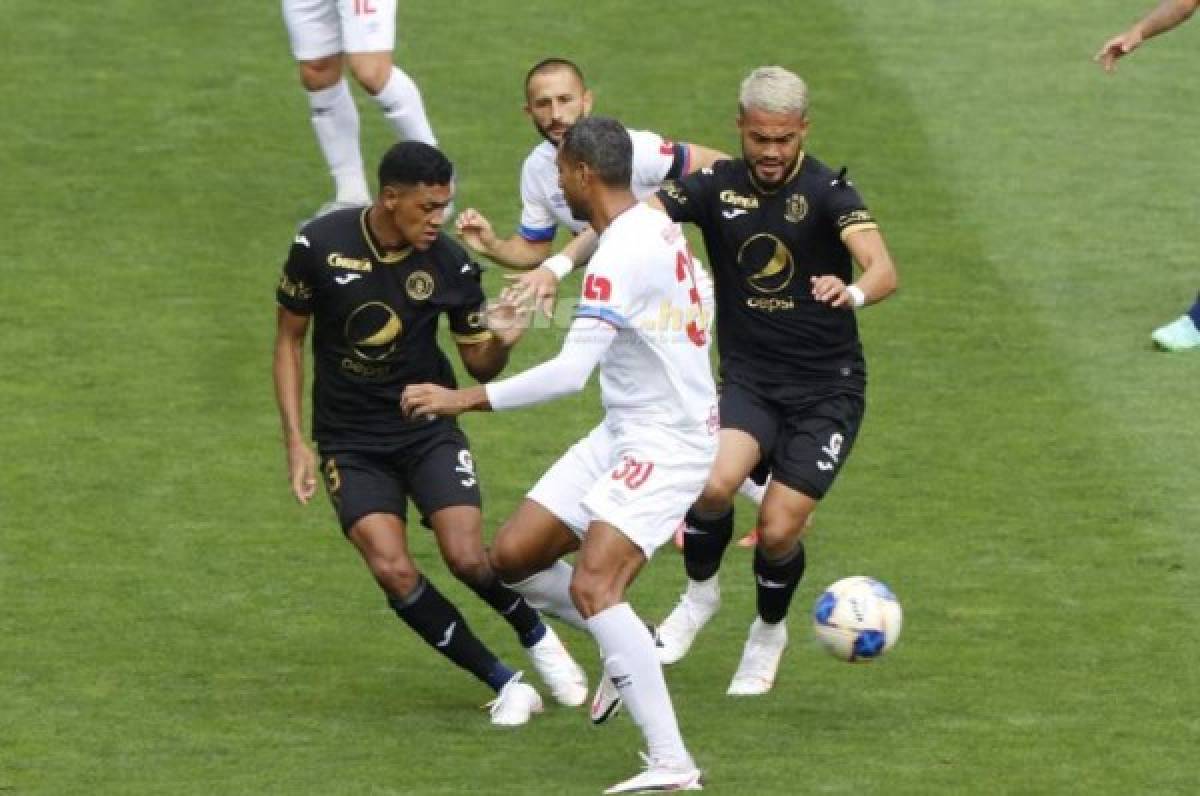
x,y
336,260
737,200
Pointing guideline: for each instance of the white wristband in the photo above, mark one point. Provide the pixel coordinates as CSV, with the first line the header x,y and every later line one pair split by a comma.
x,y
560,265
857,297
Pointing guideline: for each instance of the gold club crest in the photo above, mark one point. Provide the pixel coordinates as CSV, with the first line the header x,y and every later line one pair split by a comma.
x,y
419,285
796,208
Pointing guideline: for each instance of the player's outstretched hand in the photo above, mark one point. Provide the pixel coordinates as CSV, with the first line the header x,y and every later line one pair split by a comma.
x,y
538,288
1117,47
832,291
302,470
475,230
429,400
509,315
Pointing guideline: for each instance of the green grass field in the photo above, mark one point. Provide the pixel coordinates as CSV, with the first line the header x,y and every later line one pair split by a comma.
x,y
171,622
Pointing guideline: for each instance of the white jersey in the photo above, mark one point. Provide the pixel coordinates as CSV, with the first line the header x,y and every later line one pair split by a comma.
x,y
543,205
643,282
320,28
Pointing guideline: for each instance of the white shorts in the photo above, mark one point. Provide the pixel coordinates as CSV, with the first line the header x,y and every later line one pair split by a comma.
x,y
641,483
319,28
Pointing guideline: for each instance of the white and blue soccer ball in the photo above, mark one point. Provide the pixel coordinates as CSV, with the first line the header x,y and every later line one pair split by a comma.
x,y
857,619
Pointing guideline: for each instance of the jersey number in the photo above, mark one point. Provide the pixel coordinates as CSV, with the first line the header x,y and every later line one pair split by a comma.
x,y
685,270
633,472
596,288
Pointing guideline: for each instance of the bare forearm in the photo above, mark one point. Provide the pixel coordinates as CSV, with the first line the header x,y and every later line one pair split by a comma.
x,y
517,252
485,360
289,389
1166,15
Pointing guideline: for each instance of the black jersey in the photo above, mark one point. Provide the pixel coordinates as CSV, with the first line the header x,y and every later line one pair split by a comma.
x,y
375,320
764,247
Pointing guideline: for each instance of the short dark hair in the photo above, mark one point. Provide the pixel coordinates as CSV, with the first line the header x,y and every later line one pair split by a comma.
x,y
604,145
553,64
413,162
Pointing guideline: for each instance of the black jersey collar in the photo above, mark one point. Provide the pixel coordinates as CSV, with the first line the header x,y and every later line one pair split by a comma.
x,y
386,257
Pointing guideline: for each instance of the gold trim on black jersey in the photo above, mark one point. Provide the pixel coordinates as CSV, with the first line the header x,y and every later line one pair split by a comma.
x,y
848,231
472,339
388,258
771,192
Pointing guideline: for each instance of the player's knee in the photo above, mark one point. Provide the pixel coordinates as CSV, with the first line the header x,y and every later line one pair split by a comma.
x,y
321,73
592,592
718,492
371,73
470,568
395,575
778,534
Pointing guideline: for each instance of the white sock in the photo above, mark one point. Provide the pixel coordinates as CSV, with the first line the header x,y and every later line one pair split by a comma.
x,y
549,591
704,591
752,490
630,660
335,121
401,103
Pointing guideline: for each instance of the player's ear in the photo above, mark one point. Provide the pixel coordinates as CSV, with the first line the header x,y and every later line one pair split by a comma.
x,y
587,101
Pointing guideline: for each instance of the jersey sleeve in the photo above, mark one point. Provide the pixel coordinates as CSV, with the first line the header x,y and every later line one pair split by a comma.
x,y
655,159
467,316
537,219
295,289
847,210
688,198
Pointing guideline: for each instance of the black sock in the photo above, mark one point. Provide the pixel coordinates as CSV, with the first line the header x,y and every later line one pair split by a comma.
x,y
704,541
777,581
435,619
512,606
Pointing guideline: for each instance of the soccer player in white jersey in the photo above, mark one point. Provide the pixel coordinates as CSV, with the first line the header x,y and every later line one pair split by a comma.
x,y
617,494
328,35
555,99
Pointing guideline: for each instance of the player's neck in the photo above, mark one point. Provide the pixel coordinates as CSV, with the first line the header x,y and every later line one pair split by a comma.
x,y
386,235
607,205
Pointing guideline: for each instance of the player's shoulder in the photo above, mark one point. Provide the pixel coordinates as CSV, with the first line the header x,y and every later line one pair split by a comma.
x,y
816,174
340,230
448,256
540,158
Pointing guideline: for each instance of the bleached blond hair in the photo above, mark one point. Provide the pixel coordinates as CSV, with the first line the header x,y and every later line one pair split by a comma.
x,y
775,90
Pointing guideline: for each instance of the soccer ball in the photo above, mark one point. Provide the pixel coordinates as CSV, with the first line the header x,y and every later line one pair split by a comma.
x,y
857,619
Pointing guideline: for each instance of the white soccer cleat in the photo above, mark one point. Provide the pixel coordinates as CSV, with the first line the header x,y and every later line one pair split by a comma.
x,y
607,701
558,670
661,775
760,659
679,629
1180,334
515,703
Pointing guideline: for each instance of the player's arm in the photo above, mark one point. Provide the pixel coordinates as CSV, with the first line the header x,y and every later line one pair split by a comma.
x,y
701,157
1167,15
288,370
517,251
484,339
539,287
586,342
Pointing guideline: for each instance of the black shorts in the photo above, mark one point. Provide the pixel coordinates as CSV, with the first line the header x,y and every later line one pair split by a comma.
x,y
435,471
805,433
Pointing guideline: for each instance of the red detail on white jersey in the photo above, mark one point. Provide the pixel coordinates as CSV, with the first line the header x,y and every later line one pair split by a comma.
x,y
667,148
685,268
597,288
363,7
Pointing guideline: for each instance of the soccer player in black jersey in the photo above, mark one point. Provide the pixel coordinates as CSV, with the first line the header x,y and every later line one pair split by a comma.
x,y
782,232
372,282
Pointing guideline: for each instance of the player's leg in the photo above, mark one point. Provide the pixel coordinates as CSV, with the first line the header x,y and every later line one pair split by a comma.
x,y
605,567
445,488
813,445
748,426
315,36
369,29
1181,334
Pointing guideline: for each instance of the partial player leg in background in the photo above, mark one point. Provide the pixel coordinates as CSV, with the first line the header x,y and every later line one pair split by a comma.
x,y
1181,334
316,40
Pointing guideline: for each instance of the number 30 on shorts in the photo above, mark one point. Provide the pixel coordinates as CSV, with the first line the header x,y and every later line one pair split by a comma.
x,y
633,472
